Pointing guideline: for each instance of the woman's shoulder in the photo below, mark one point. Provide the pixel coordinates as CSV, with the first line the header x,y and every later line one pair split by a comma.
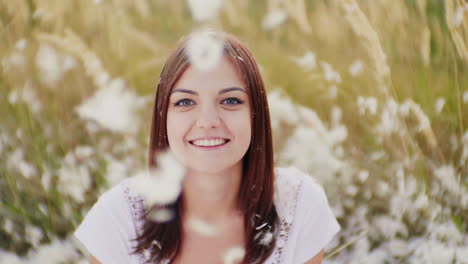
x,y
297,189
119,195
292,177
109,226
307,221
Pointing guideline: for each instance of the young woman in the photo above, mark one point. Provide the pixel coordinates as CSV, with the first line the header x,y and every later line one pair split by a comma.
x,y
216,123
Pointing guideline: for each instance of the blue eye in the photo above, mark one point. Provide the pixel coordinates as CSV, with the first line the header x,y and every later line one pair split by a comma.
x,y
184,102
232,101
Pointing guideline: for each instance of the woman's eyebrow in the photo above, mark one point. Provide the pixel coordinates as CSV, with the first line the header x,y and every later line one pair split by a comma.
x,y
180,90
225,90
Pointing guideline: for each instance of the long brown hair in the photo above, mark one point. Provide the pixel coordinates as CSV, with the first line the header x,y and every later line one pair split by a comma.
x,y
256,191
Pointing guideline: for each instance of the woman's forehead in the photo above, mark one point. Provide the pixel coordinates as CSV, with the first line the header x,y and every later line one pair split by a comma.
x,y
224,75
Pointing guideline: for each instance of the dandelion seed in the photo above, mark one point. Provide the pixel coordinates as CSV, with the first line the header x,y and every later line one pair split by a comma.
x,y
156,244
147,254
46,179
382,188
102,79
405,108
156,189
204,10
26,169
112,107
439,105
333,91
13,97
74,180
163,184
50,64
336,115
363,175
458,17
308,61
55,252
15,59
83,152
389,121
29,96
356,68
449,179
202,227
38,13
368,104
318,156
205,50
234,255
8,226
33,235
116,171
21,44
274,19
161,215
10,258
261,226
390,227
281,110
397,247
351,190
330,74
266,239
350,8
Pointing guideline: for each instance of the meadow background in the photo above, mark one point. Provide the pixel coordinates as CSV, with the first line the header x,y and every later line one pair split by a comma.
x,y
369,97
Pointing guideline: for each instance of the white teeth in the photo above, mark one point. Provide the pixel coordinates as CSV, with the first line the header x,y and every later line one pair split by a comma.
x,y
209,142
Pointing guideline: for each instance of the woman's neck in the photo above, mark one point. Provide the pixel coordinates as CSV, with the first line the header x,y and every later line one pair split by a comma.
x,y
212,197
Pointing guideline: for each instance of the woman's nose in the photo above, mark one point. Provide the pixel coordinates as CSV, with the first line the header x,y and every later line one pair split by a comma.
x,y
208,117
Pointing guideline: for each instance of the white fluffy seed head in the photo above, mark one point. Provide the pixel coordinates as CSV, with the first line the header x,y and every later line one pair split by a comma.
x,y
204,10
205,50
202,227
161,215
274,19
266,238
234,255
163,184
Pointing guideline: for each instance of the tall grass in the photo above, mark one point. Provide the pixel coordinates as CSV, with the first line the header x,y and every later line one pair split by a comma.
x,y
388,139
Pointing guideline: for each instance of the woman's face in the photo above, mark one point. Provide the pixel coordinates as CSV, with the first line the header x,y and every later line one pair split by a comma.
x,y
208,119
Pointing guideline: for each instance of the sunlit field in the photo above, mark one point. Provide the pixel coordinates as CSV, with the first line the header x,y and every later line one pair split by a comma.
x,y
369,97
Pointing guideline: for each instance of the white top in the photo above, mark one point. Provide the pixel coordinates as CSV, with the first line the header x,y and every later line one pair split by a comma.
x,y
307,222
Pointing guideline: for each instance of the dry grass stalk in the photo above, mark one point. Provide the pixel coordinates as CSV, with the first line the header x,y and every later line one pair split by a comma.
x,y
426,129
457,32
352,241
73,44
142,7
425,40
362,27
231,13
142,37
296,9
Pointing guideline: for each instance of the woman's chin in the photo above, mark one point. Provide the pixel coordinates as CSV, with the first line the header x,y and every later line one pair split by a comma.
x,y
211,167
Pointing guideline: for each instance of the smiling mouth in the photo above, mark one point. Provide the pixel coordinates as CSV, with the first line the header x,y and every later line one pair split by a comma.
x,y
209,142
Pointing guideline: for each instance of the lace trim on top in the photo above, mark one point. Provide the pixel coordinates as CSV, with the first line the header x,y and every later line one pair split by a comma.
x,y
287,189
135,202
